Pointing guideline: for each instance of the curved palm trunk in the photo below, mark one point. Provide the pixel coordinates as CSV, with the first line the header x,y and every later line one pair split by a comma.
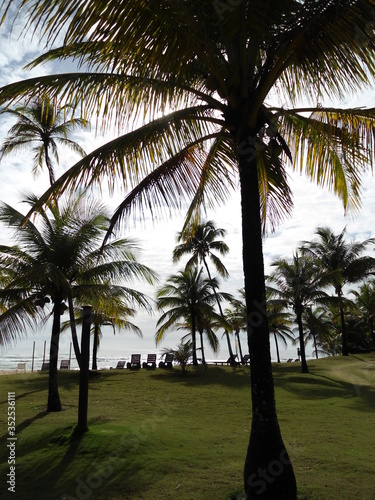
x,y
95,348
345,349
304,366
230,350
74,330
268,473
372,331
49,165
277,347
54,403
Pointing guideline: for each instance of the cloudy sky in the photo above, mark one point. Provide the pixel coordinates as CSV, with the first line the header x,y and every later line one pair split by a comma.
x,y
312,207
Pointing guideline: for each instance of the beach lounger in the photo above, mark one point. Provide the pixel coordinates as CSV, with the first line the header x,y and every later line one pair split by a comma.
x,y
21,367
168,361
246,359
135,362
150,364
65,364
45,367
120,364
230,361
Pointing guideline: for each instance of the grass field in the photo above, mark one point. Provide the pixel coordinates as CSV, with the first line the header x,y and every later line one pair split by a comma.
x,y
158,435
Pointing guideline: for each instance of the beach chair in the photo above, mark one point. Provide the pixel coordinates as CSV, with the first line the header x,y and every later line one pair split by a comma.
x,y
21,367
246,359
135,362
232,361
45,366
150,364
65,364
120,364
168,361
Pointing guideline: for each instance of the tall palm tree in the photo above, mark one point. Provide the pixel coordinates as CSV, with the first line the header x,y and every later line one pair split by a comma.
x,y
44,125
209,75
317,326
201,240
279,322
61,257
188,297
345,262
299,284
365,300
236,316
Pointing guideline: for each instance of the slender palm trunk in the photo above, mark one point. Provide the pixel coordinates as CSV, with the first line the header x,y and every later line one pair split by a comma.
x,y
230,350
202,349
74,330
304,366
345,349
268,473
237,334
54,403
194,339
95,347
277,347
315,346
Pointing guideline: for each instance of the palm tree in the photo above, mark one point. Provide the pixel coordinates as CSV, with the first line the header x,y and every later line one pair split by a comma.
x,y
181,354
236,317
299,284
189,298
202,241
209,74
365,300
108,309
344,261
46,125
279,324
317,326
61,258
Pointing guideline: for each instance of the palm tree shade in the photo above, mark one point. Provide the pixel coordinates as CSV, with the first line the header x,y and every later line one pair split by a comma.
x,y
207,73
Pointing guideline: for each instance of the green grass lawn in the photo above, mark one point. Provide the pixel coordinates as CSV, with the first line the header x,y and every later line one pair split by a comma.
x,y
158,435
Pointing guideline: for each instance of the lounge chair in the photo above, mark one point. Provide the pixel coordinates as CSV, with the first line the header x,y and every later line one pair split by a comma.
x,y
168,361
120,364
232,360
65,364
21,367
45,366
150,364
135,362
246,359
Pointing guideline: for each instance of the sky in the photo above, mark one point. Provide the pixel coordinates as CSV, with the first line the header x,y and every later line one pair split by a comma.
x,y
313,207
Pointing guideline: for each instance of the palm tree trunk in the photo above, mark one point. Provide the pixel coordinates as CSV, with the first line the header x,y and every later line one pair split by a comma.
x,y
304,366
95,347
54,403
315,346
239,344
202,349
345,350
74,330
230,350
268,470
194,340
277,347
372,331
